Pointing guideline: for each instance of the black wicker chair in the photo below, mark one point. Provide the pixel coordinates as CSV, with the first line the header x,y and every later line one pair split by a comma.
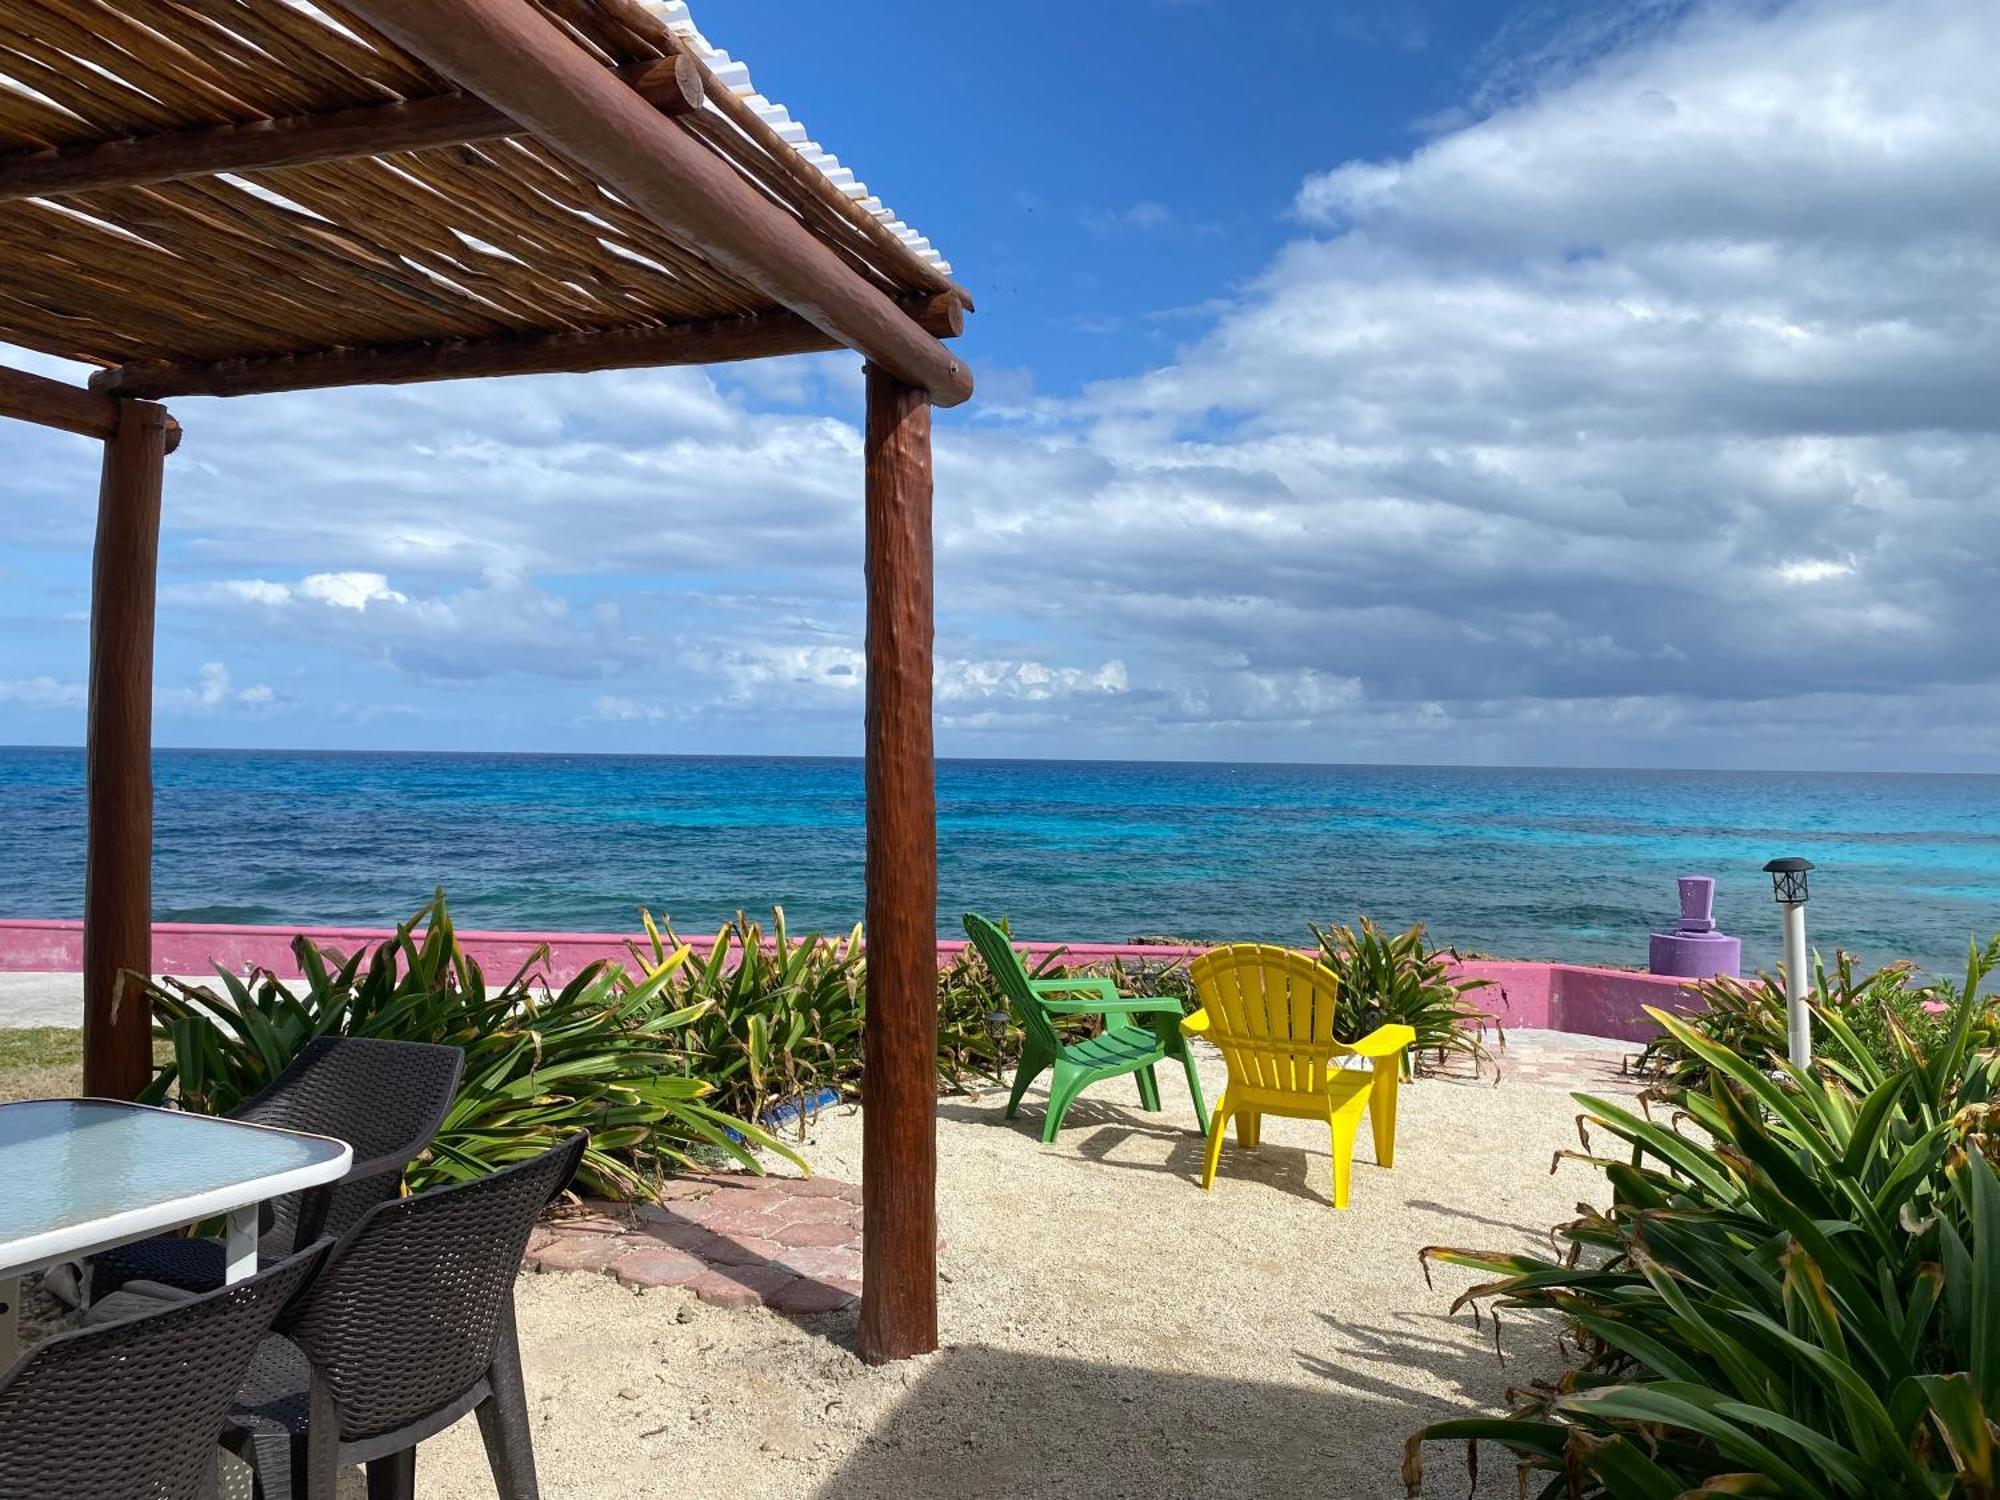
x,y
409,1326
386,1099
134,1409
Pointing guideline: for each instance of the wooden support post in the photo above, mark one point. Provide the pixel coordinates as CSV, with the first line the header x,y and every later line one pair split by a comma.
x,y
899,1077
118,876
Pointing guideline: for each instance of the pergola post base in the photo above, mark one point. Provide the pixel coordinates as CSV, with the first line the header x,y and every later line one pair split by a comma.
x,y
118,878
899,1077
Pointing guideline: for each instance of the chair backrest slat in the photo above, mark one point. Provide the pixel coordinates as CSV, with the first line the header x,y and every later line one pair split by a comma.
x,y
1012,977
1271,1012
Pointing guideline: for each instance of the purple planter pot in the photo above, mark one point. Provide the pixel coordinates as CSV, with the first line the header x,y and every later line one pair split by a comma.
x,y
1694,955
1695,950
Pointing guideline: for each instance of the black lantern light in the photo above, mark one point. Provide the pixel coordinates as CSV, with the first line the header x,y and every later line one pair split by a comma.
x,y
1788,880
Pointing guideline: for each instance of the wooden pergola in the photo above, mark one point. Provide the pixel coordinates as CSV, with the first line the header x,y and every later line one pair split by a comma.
x,y
226,197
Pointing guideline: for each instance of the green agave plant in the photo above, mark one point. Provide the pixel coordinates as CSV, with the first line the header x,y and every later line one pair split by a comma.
x,y
770,1020
778,1019
1799,1296
1399,977
978,1036
604,1054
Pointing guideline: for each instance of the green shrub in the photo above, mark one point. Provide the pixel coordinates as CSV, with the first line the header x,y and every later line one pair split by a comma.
x,y
1388,979
1797,1296
603,1054
1147,978
978,1036
773,1021
1882,1014
778,1019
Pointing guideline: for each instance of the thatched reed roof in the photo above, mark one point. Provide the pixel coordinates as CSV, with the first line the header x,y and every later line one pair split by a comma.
x,y
144,225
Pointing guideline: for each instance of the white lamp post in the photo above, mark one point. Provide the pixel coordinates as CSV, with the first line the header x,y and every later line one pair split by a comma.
x,y
1788,884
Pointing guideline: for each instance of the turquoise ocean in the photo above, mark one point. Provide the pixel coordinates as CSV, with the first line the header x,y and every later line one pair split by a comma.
x,y
1575,865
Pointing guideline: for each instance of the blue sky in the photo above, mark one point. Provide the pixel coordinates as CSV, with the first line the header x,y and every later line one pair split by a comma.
x,y
1590,384
1125,163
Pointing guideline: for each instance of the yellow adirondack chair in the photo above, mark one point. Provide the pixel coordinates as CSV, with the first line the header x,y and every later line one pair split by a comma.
x,y
1270,1010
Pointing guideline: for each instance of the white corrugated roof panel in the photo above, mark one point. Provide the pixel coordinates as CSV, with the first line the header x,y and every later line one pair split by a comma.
x,y
735,76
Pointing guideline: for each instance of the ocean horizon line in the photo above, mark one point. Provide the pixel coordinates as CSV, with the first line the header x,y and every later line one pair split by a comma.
x,y
1498,767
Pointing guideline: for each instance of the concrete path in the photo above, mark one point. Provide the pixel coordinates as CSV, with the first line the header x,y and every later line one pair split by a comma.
x,y
46,999
41,1000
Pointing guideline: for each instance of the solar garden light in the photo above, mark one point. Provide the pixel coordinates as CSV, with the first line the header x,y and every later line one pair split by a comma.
x,y
1788,884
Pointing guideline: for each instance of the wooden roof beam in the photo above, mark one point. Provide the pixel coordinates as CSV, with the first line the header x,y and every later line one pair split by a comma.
x,y
672,86
50,403
511,54
717,342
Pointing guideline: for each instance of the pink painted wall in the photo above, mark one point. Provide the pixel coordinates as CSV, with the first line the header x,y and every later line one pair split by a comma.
x,y
1524,995
1575,997
191,948
194,948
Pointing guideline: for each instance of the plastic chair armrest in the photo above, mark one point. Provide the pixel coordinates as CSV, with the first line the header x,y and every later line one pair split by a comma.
x,y
1083,984
1118,1007
1196,1024
316,1202
1385,1041
375,1166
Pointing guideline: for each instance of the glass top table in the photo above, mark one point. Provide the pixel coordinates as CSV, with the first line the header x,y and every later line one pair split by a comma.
x,y
82,1175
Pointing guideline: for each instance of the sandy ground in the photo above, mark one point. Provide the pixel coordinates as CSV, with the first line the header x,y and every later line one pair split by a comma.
x,y
1110,1330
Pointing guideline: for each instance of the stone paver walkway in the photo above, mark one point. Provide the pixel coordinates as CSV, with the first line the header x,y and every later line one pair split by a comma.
x,y
1553,1059
791,1244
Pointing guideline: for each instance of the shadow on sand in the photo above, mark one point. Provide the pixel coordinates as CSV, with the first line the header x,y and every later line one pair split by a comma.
x,y
980,1423
1096,1129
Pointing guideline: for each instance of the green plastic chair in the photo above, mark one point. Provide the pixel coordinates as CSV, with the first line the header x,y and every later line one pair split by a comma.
x,y
1120,1048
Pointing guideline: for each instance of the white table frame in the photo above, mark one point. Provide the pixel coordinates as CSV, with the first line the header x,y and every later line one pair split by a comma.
x,y
236,1203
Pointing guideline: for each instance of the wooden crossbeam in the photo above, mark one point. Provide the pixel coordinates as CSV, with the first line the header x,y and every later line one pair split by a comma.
x,y
51,403
672,86
512,53
718,342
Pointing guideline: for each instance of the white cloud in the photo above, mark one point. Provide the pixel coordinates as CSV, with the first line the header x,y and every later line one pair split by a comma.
x,y
212,692
1813,570
350,590
777,676
822,684
214,687
614,709
962,681
502,624
1143,216
558,474
42,692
